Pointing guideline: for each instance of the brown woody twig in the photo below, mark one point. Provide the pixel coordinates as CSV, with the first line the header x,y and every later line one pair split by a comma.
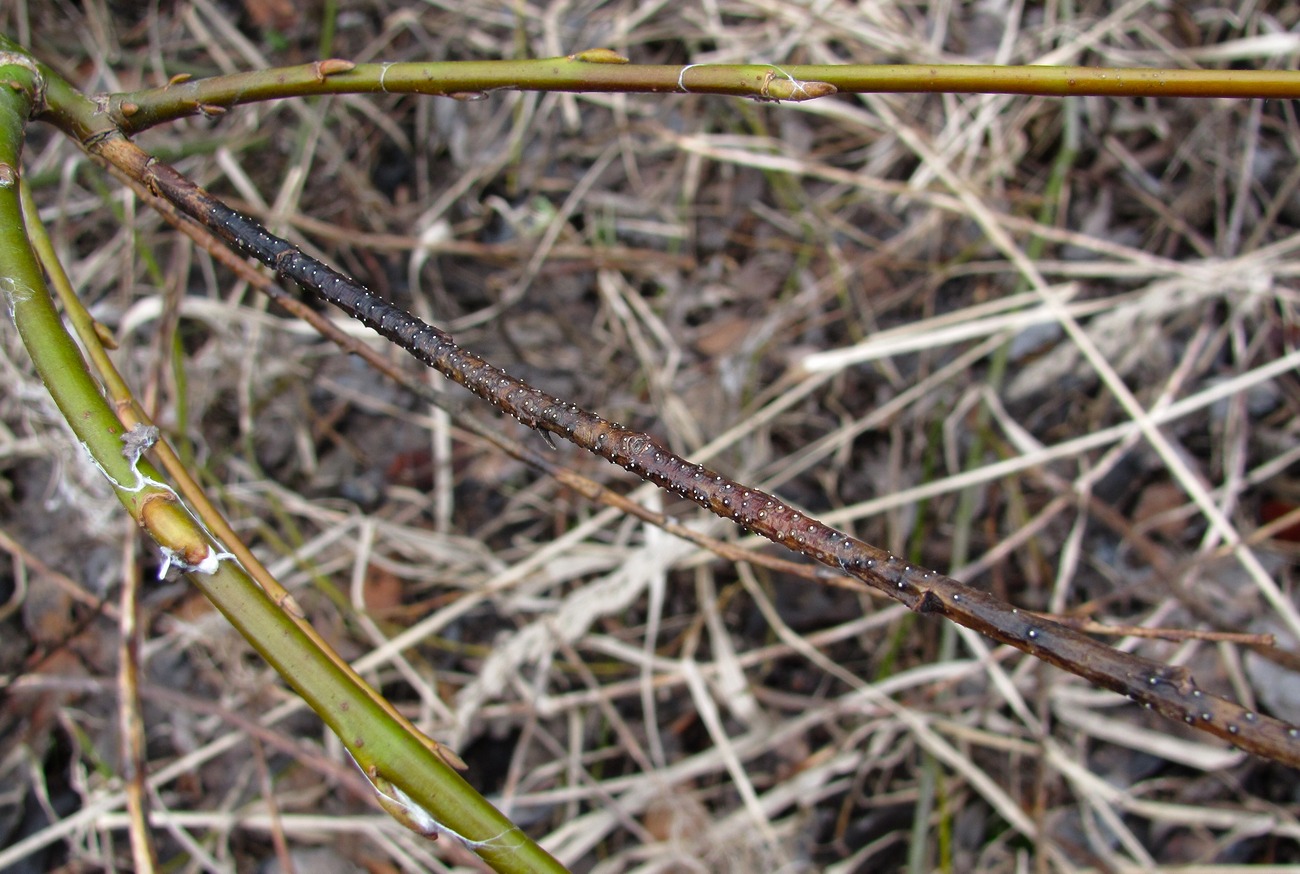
x,y
1168,690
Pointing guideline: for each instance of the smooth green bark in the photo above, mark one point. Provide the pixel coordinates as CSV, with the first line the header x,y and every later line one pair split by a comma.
x,y
601,70
390,755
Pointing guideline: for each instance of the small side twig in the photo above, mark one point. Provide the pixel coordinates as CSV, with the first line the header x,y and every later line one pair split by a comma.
x,y
603,70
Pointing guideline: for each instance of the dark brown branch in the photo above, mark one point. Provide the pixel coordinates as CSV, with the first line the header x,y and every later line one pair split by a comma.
x,y
1170,691
588,488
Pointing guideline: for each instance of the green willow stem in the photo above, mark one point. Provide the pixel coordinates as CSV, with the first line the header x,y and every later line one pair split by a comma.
x,y
131,414
392,757
57,359
433,797
601,70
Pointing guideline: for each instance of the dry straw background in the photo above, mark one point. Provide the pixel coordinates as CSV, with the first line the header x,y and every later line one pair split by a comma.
x,y
864,303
